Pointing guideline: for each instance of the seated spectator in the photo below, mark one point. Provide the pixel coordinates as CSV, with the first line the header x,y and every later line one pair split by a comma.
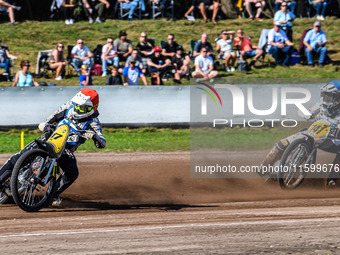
x,y
162,5
291,5
181,62
203,43
321,8
132,5
224,47
132,73
145,47
286,18
204,66
170,47
135,55
4,60
57,61
109,55
24,77
247,50
6,7
315,41
85,79
95,9
68,6
124,46
259,4
158,63
81,55
114,78
204,5
279,45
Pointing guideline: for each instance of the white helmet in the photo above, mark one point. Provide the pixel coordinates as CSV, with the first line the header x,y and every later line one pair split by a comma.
x,y
85,102
330,98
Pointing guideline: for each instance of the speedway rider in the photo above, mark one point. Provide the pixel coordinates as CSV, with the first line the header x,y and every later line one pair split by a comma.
x,y
327,108
82,112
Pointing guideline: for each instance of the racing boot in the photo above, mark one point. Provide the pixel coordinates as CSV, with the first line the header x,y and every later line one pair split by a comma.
x,y
56,201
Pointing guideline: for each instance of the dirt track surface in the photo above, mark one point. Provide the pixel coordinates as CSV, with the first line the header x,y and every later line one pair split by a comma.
x,y
147,203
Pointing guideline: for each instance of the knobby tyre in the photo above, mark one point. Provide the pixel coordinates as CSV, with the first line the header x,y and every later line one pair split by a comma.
x,y
291,169
29,192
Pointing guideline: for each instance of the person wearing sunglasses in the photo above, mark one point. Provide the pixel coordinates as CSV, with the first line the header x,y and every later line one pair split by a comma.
x,y
24,78
286,18
109,55
57,61
204,66
291,5
81,55
5,56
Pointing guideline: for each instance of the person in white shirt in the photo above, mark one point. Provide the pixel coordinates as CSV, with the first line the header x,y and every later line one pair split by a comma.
x,y
204,66
81,55
279,45
224,47
109,55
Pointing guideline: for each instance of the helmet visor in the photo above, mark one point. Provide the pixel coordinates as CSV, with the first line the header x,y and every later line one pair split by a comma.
x,y
82,109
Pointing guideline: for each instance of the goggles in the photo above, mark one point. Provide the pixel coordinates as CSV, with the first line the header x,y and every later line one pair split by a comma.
x,y
82,109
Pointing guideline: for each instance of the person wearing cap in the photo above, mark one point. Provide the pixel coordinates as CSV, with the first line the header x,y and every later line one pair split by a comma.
x,y
286,18
315,41
124,46
181,62
85,79
204,66
224,47
158,63
169,48
132,73
81,55
279,45
145,47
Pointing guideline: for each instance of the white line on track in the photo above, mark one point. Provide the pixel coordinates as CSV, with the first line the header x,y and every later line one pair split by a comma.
x,y
232,224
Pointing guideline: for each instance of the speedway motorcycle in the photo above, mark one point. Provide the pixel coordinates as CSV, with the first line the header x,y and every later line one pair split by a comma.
x,y
299,157
34,177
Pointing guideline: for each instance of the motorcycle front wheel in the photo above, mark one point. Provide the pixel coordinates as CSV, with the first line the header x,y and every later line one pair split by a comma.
x,y
30,189
291,168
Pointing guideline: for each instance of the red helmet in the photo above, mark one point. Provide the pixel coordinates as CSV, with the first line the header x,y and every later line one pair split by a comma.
x,y
86,103
157,48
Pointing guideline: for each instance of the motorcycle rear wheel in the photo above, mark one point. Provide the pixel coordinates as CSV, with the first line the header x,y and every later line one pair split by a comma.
x,y
28,192
291,172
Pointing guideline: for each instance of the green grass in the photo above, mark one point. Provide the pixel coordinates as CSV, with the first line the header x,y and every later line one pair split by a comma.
x,y
27,38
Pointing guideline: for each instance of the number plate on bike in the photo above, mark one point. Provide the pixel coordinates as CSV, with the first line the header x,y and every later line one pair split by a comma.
x,y
58,138
319,129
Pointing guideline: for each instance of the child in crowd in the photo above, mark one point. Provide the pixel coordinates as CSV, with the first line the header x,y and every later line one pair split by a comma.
x,y
85,78
114,78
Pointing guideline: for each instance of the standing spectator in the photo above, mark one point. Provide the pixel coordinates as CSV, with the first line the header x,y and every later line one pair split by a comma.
x,y
81,55
85,79
279,45
132,5
224,47
170,47
247,50
203,5
315,41
95,8
6,7
68,6
158,63
124,46
4,60
24,77
145,47
203,43
114,78
132,73
204,66
57,61
285,17
291,5
135,55
259,4
181,62
109,55
321,8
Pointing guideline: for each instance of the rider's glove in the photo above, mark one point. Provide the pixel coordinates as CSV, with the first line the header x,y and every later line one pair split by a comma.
x,y
42,126
88,134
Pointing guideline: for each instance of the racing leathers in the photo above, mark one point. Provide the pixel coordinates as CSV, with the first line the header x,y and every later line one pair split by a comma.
x,y
67,160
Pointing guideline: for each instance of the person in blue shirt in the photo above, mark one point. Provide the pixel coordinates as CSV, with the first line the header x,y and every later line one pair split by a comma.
x,y
132,73
85,78
315,41
285,17
291,5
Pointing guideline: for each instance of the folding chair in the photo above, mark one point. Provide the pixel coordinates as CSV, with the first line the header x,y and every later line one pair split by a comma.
x,y
168,12
263,45
70,66
11,64
192,47
124,13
